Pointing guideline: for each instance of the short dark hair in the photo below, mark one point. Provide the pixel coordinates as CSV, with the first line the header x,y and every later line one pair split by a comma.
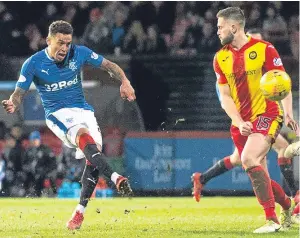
x,y
60,27
233,13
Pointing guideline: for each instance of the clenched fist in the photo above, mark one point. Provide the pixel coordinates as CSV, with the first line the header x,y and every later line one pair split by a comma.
x,y
127,91
292,124
8,106
246,128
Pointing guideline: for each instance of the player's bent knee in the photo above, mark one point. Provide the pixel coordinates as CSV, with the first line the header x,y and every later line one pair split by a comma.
x,y
74,133
249,161
280,146
235,160
82,131
281,152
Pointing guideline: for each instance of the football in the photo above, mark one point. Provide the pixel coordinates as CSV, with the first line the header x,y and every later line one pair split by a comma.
x,y
275,85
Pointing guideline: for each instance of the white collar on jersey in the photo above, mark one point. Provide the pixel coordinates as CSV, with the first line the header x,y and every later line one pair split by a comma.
x,y
48,56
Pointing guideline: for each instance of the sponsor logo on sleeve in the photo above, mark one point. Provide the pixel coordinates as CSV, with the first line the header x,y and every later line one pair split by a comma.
x,y
22,79
277,62
94,56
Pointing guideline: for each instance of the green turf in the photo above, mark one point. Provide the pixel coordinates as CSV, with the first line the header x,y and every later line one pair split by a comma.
x,y
147,217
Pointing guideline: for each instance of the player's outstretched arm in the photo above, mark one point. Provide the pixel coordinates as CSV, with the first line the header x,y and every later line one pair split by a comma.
x,y
114,70
287,103
126,90
14,101
273,61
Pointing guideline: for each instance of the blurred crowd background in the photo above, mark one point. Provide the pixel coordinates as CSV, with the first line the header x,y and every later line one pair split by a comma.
x,y
170,46
142,27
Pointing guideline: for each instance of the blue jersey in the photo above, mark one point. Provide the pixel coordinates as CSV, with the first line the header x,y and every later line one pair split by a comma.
x,y
59,84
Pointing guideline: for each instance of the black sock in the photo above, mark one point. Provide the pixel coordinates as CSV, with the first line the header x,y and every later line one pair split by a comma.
x,y
288,174
97,159
218,168
89,181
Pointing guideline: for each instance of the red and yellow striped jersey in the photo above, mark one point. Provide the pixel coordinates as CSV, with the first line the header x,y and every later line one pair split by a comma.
x,y
242,70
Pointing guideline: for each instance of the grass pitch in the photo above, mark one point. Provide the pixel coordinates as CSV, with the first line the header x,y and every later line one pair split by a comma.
x,y
137,217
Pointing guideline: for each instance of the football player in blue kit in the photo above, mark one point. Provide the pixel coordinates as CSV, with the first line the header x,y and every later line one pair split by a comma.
x,y
55,71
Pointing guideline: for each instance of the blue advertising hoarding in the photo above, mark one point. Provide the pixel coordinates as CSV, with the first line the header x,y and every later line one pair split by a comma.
x,y
168,163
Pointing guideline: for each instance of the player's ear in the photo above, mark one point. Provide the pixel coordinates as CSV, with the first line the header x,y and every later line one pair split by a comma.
x,y
48,40
233,29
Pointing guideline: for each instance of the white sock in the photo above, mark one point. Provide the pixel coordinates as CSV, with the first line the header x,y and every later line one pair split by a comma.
x,y
114,177
80,208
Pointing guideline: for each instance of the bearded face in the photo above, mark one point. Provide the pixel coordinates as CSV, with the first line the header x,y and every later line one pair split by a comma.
x,y
224,31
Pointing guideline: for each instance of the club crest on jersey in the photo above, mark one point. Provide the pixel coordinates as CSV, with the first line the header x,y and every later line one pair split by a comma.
x,y
72,65
252,55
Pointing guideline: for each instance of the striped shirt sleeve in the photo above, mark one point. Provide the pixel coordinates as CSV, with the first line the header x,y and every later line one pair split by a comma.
x,y
221,79
273,60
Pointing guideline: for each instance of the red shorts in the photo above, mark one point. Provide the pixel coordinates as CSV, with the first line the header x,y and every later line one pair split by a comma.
x,y
265,124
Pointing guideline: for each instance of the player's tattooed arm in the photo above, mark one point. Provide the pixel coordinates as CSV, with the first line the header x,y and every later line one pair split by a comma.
x,y
114,70
126,90
14,101
17,97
